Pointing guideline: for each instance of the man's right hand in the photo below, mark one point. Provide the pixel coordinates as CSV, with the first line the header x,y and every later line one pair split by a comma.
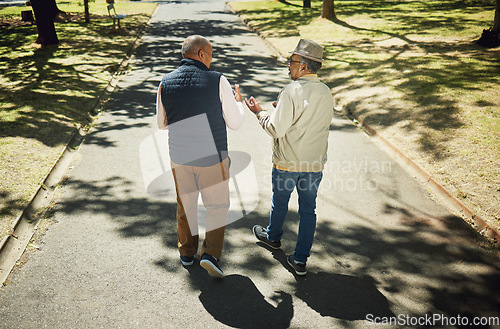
x,y
237,93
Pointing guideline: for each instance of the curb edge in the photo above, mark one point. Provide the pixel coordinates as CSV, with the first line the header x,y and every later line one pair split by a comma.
x,y
478,223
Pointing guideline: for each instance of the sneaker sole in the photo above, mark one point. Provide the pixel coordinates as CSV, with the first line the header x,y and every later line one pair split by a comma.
x,y
187,263
265,242
211,269
293,268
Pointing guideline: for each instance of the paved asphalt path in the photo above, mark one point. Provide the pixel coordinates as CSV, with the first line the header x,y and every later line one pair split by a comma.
x,y
384,248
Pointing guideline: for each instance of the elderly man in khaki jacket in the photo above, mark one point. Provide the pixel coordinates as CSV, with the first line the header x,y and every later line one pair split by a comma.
x,y
300,127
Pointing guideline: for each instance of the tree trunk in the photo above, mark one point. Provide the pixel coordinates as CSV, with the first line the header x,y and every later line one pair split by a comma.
x,y
306,3
490,38
45,13
496,24
87,11
329,9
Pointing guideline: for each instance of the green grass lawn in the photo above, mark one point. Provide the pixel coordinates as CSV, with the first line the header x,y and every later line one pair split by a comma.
x,y
410,69
47,92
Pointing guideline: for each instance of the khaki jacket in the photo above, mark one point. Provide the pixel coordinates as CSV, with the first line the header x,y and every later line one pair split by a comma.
x,y
300,125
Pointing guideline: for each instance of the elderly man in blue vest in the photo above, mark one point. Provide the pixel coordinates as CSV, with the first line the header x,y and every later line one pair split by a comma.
x,y
196,104
300,126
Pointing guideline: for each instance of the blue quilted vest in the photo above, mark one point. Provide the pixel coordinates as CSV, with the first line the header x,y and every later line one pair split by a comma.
x,y
196,126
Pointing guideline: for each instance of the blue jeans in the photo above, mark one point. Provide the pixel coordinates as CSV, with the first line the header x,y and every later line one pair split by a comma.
x,y
307,184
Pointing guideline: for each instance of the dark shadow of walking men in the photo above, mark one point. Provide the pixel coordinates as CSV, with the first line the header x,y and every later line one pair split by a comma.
x,y
235,300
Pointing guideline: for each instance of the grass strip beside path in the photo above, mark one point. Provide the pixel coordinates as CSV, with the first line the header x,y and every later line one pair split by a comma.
x,y
47,92
411,70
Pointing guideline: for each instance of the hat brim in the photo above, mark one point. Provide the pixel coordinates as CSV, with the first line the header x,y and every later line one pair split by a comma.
x,y
308,57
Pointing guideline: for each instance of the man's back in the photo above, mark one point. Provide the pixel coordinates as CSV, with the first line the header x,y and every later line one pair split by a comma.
x,y
197,131
303,145
195,105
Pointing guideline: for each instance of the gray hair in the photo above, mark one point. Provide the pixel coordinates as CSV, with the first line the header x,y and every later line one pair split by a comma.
x,y
312,66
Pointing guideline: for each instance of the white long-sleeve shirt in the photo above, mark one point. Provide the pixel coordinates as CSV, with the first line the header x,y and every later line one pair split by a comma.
x,y
232,110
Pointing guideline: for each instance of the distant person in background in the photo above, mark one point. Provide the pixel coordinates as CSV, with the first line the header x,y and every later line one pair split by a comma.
x,y
300,127
196,104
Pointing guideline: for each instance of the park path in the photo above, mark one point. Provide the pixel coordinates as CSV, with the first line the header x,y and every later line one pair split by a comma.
x,y
384,247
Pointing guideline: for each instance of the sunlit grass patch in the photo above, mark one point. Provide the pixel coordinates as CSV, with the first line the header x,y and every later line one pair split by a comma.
x,y
47,92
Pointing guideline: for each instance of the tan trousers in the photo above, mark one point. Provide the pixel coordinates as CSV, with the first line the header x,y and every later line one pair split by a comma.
x,y
213,185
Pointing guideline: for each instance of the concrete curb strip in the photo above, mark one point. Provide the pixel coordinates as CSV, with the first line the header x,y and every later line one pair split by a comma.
x,y
446,197
13,245
452,203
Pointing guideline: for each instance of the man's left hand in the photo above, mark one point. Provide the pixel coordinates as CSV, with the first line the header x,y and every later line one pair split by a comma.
x,y
253,105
